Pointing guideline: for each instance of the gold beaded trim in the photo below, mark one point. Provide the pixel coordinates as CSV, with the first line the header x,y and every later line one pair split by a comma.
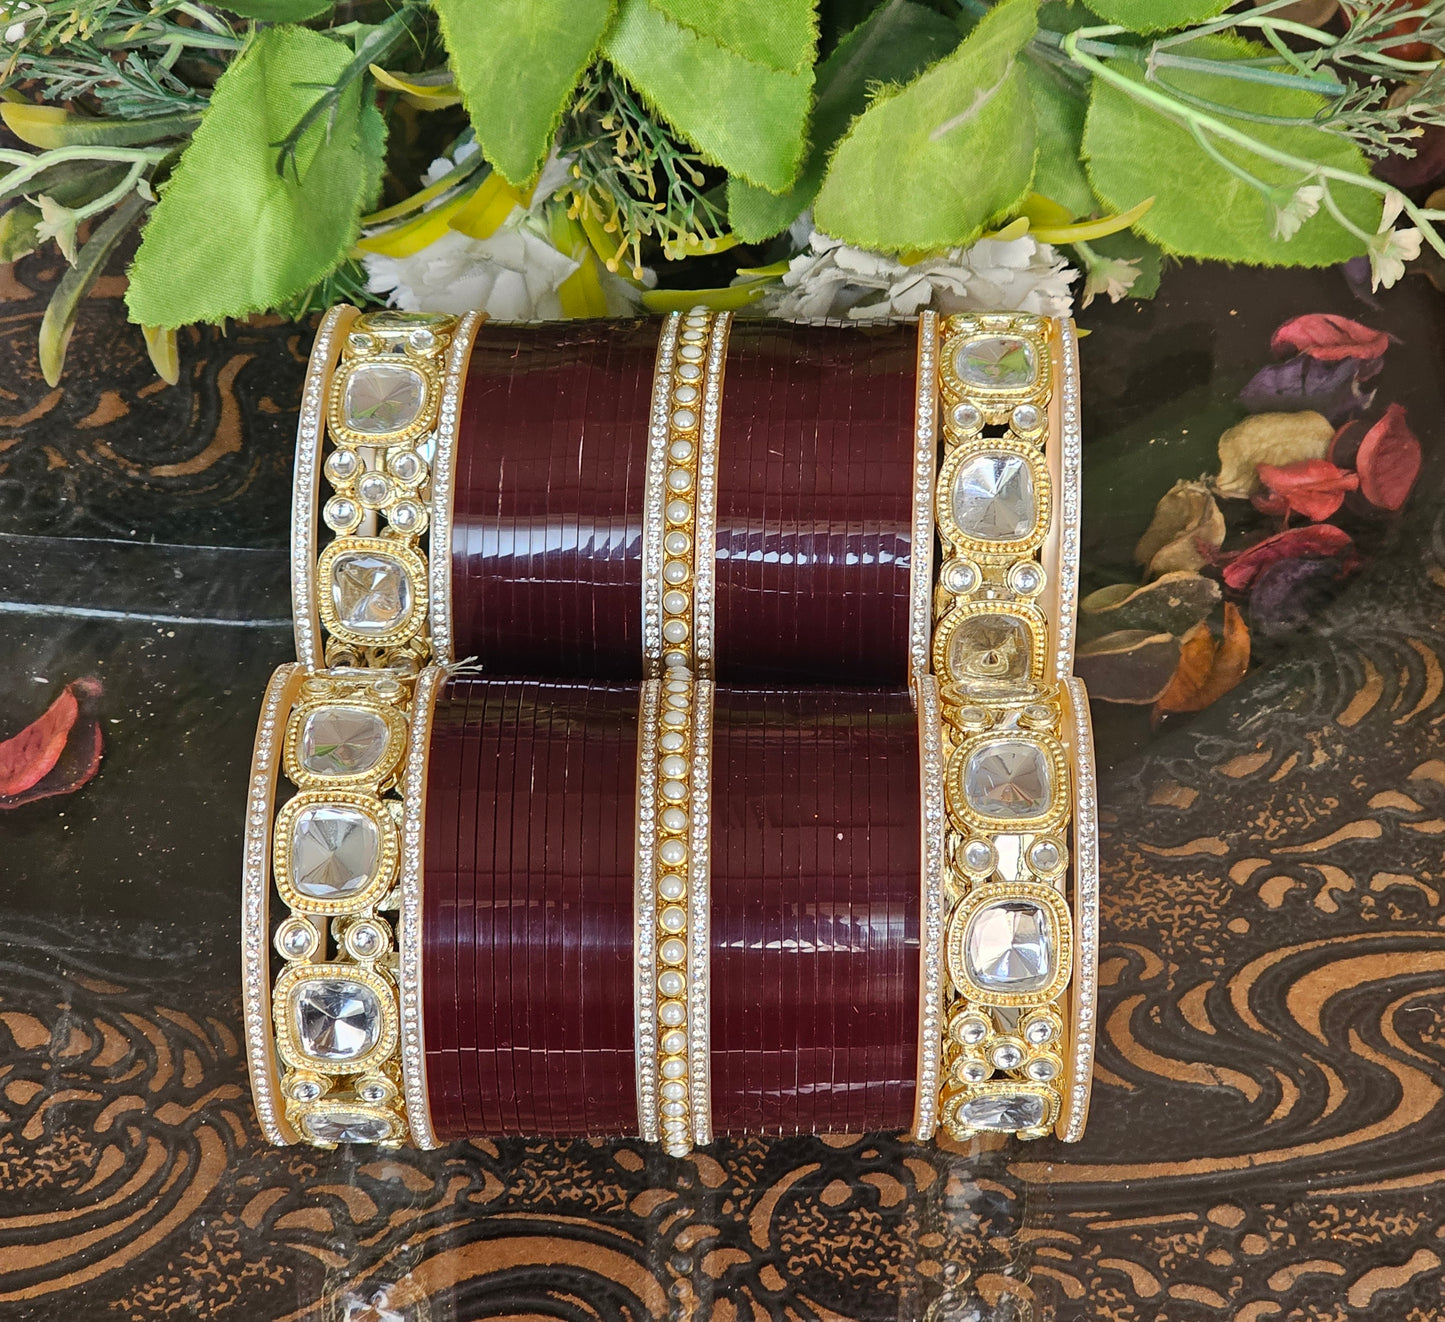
x,y
671,898
680,497
1008,784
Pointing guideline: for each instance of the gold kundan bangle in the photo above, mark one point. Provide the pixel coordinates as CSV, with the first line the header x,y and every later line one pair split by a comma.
x,y
1011,734
680,497
335,1044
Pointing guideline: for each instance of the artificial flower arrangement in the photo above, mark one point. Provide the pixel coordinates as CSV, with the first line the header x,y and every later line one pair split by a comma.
x,y
562,158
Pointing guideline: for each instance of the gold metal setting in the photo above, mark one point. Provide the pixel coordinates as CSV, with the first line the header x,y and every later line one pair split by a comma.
x,y
960,612
419,349
1009,445
968,816
383,871
994,401
289,985
380,772
975,902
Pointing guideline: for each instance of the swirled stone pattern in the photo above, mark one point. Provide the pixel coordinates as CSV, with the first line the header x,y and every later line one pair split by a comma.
x,y
1265,1142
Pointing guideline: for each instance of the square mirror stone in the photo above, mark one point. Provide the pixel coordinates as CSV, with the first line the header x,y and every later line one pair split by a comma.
x,y
334,851
996,362
990,653
993,497
1010,779
1009,947
335,1019
341,741
370,591
382,398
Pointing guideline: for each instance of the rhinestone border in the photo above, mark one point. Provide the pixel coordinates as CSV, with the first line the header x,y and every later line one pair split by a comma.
x,y
925,468
443,489
410,888
699,959
1085,1005
934,823
1070,503
644,930
654,496
705,524
280,694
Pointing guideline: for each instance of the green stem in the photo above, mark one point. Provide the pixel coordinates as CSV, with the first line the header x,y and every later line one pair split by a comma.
x,y
1174,109
108,199
1245,73
1333,208
28,166
1230,167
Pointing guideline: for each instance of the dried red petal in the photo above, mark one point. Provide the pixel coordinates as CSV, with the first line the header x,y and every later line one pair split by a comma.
x,y
56,753
1315,541
1329,337
1388,461
1312,487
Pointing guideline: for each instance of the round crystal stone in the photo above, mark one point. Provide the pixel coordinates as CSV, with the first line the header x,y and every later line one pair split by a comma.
x,y
374,490
405,465
966,417
372,1092
370,591
971,1031
305,1090
341,514
405,516
365,940
993,497
382,398
1039,1031
974,1071
989,652
358,342
335,1019
1042,1069
341,465
1044,856
1006,1056
334,851
347,1127
960,576
996,362
422,339
1025,417
978,856
1009,947
1026,578
341,741
295,938
1009,779
1003,1110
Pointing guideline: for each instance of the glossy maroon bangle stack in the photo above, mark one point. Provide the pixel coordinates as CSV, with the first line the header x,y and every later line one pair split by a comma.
x,y
814,503
815,910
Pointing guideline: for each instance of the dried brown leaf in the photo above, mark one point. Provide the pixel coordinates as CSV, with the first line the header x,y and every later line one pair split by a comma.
x,y
1131,666
1171,604
1187,527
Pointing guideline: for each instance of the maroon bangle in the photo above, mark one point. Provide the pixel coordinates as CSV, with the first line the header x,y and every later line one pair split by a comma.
x,y
814,503
779,760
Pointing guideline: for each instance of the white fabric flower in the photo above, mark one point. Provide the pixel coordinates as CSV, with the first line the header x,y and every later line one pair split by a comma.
x,y
1297,208
511,275
1111,276
1390,249
831,279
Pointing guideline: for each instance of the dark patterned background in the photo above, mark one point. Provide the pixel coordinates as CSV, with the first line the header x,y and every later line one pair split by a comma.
x,y
1268,1133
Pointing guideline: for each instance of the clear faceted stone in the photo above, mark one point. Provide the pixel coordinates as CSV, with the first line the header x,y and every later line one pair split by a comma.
x,y
370,591
334,851
347,1127
988,652
1009,779
1026,417
966,417
996,362
342,741
960,576
383,397
993,497
1003,1110
336,1019
1010,948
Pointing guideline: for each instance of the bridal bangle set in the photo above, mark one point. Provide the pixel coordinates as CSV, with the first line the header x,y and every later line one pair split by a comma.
x,y
1006,936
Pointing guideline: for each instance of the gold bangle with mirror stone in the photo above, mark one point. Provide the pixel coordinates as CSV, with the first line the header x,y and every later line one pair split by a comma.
x,y
1008,728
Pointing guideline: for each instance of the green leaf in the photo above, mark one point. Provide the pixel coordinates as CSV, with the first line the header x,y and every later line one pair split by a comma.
x,y
1059,108
230,235
60,313
48,127
891,46
780,34
930,166
1202,209
1156,15
278,11
747,117
19,230
517,63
